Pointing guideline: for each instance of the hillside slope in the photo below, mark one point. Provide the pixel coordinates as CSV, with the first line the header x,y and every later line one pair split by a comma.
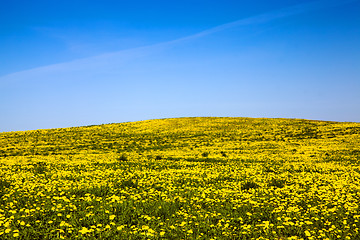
x,y
191,137
183,178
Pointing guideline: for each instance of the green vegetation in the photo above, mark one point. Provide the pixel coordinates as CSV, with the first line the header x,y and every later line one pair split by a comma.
x,y
186,178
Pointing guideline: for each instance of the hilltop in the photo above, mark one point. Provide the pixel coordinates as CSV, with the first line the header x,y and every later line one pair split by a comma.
x,y
235,136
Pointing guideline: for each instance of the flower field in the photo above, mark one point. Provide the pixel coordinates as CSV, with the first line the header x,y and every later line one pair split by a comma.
x,y
184,178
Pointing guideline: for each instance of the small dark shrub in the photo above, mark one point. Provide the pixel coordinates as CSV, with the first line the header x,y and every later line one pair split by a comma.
x,y
249,184
40,168
205,154
279,183
122,158
128,183
158,157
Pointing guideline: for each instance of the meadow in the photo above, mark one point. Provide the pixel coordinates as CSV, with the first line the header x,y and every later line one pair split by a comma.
x,y
184,178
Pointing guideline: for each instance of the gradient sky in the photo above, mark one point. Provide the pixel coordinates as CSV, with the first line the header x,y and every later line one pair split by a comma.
x,y
74,63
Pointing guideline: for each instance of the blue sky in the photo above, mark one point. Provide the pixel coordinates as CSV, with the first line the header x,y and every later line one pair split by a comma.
x,y
73,63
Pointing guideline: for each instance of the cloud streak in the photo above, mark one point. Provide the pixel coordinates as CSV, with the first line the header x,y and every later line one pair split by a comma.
x,y
266,17
128,54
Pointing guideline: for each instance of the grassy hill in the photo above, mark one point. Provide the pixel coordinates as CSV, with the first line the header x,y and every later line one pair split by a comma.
x,y
184,178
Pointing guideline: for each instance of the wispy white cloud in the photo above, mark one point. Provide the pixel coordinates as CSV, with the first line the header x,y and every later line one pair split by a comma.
x,y
124,55
266,17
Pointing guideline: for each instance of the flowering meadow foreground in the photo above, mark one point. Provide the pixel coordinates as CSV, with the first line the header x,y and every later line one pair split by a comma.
x,y
186,178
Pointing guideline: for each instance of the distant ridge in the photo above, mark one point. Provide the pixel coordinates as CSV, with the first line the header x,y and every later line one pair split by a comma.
x,y
114,136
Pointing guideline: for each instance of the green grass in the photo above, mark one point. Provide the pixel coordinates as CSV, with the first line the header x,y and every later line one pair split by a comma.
x,y
187,178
